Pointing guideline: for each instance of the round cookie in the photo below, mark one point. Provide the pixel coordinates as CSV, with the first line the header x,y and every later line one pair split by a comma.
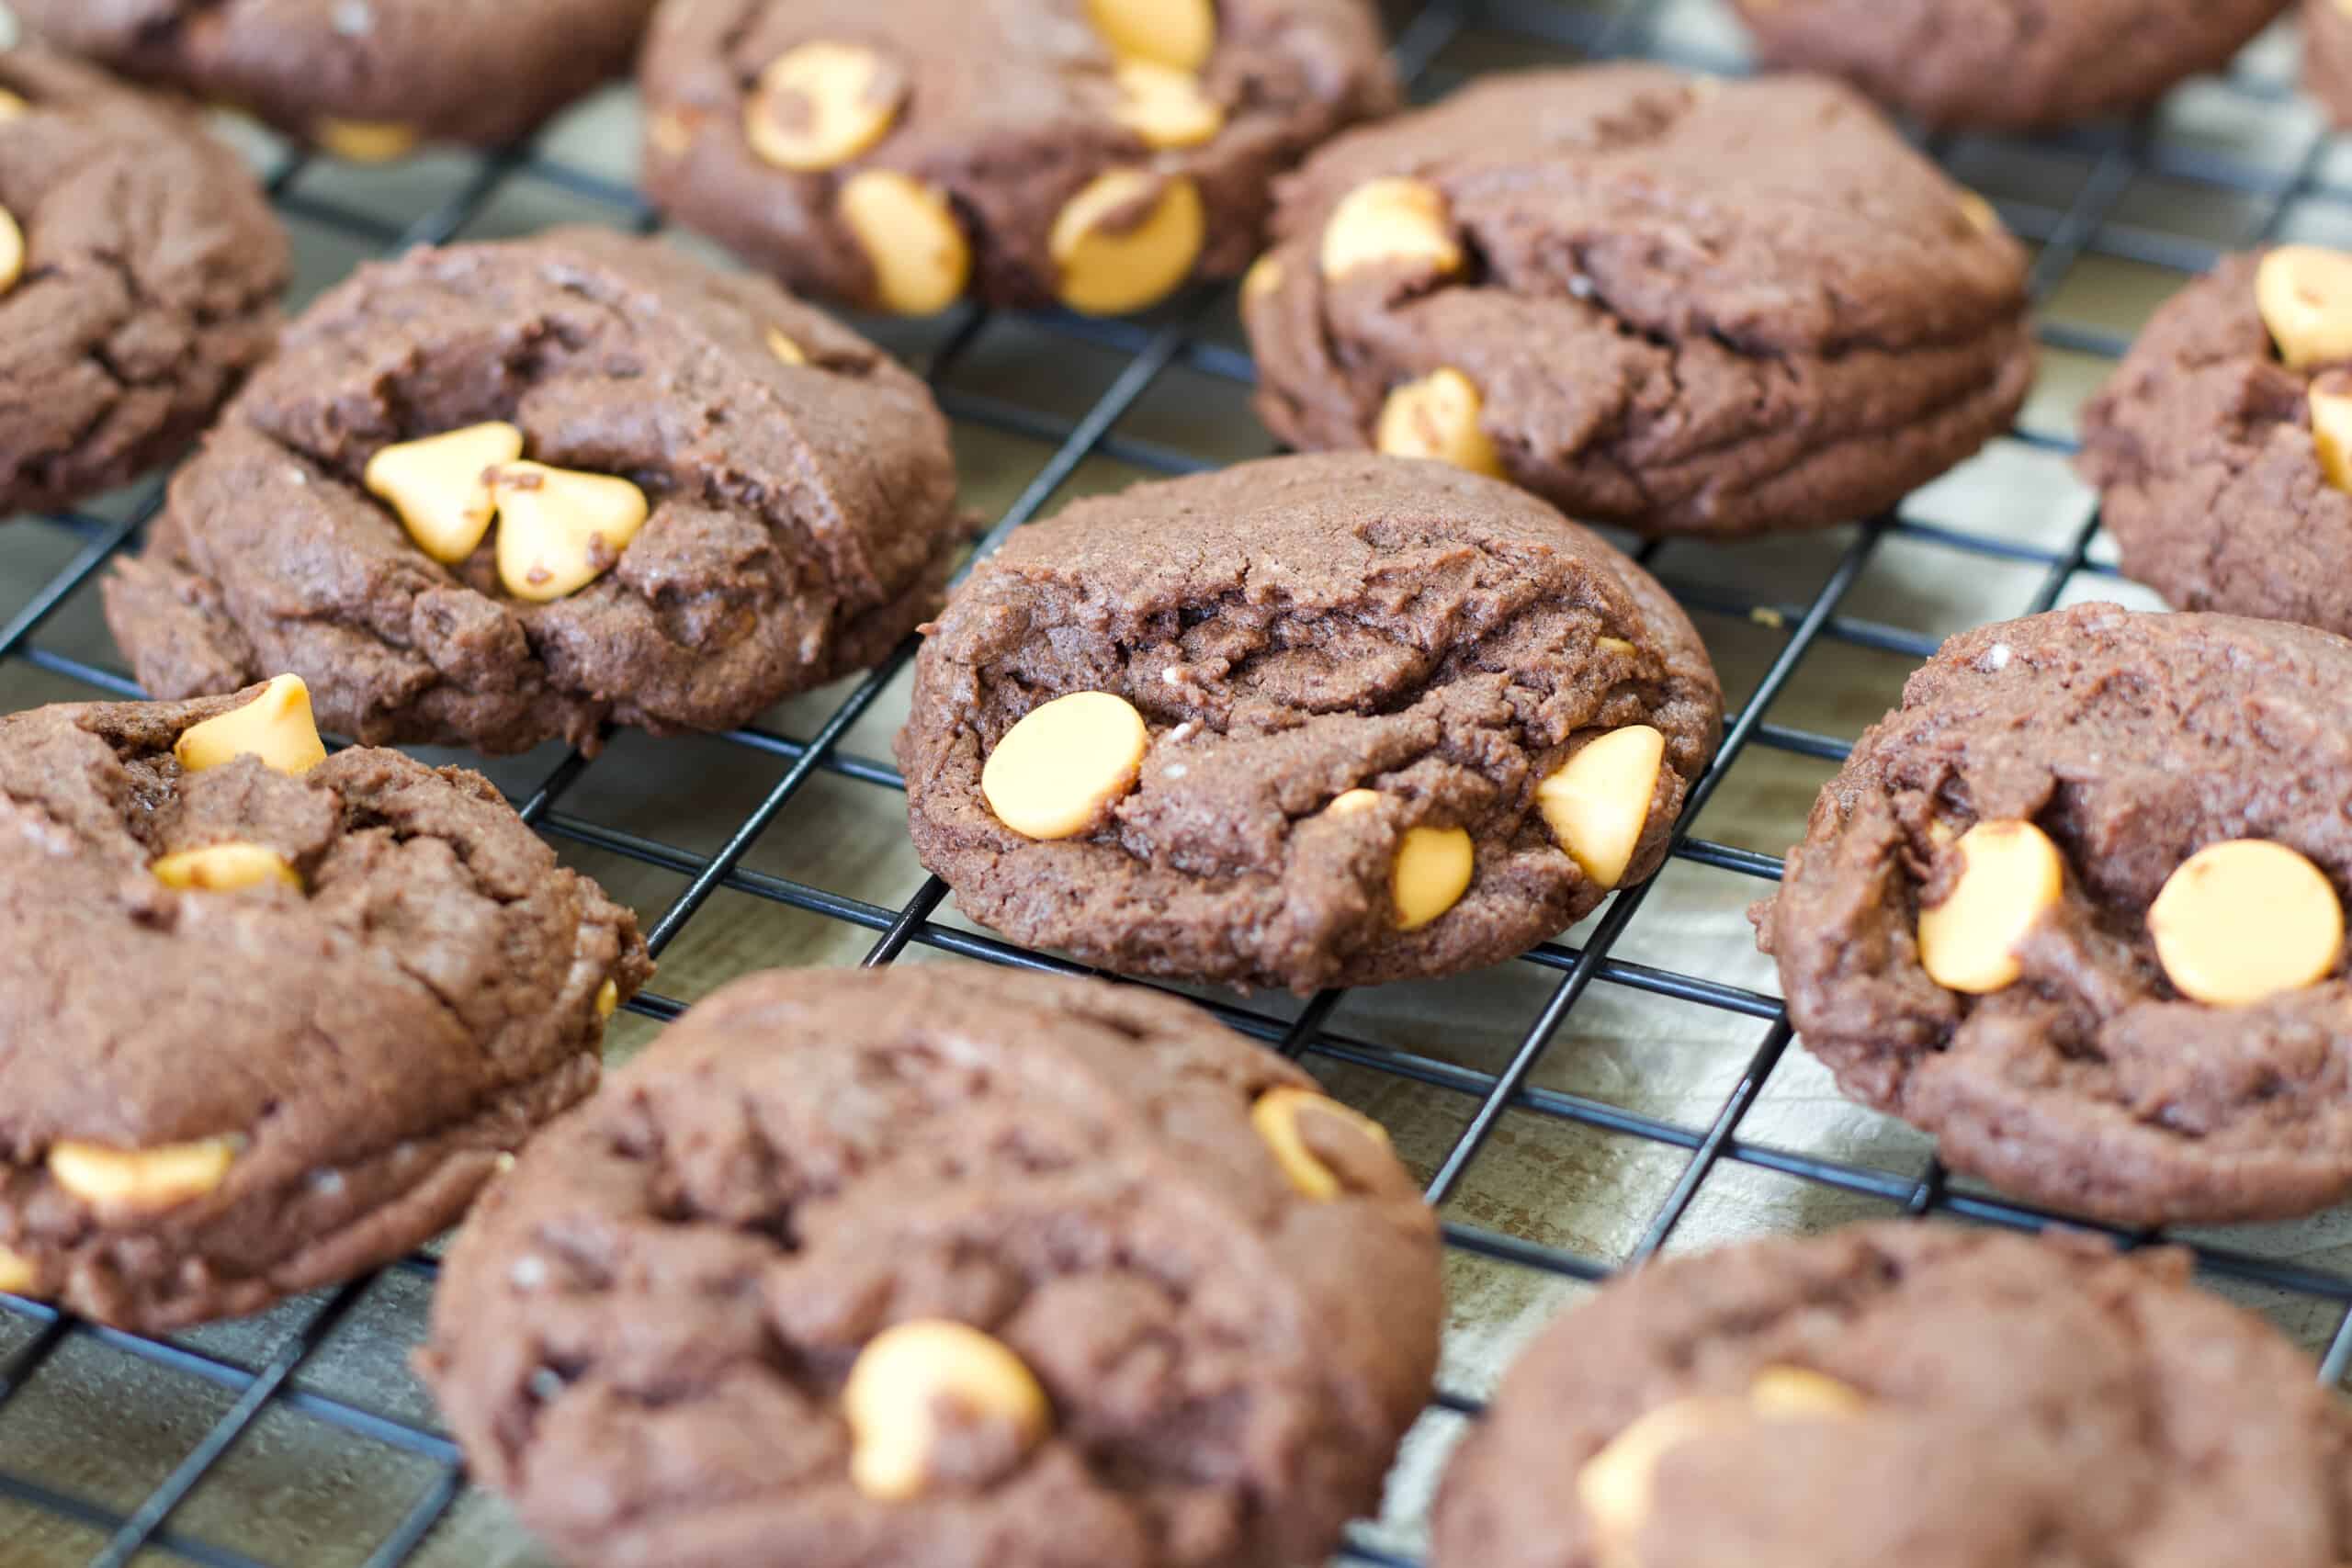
x,y
268,1017
2075,908
942,1266
1909,1394
139,271
1311,721
1681,305
367,79
896,154
727,499
2016,65
2211,444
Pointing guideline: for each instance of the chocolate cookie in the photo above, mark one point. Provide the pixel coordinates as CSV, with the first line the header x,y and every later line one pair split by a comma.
x,y
140,270
365,79
2007,64
1685,306
2075,908
730,499
1904,1393
2327,57
1310,721
2220,446
944,1265
899,153
268,1017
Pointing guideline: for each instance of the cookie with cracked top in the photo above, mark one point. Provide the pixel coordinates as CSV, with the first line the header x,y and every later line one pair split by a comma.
x,y
947,1266
1904,1392
2076,909
368,80
2015,65
139,273
1322,720
268,1017
727,498
2208,442
1680,305
899,154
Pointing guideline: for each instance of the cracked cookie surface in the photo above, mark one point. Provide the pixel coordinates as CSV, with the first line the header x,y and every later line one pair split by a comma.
x,y
2007,64
2090,1081
152,268
1292,632
359,1045
802,503
1008,112
1976,1399
1683,306
643,1336
406,70
2202,445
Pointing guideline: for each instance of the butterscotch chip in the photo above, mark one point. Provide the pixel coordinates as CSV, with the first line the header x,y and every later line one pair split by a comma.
x,y
1265,276
940,1228
781,345
2243,920
2330,405
17,1274
12,251
142,1178
1340,753
224,868
1175,33
1615,1486
1165,107
12,105
1979,213
823,103
2304,293
1796,1392
440,485
1437,417
366,141
276,726
1598,802
2011,875
910,238
1128,241
560,530
1065,763
608,1000
1277,1114
1390,222
911,1381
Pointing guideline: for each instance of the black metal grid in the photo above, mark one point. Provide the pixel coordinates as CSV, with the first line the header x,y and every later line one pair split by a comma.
x,y
2086,224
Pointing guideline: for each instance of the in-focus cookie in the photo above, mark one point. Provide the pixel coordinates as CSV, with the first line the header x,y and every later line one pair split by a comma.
x,y
268,1017
942,1266
1904,1393
367,79
494,494
139,271
2222,444
2075,908
896,154
1684,306
2007,64
1310,721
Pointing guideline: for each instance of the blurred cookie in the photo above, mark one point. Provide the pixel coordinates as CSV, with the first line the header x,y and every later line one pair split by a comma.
x,y
495,494
1310,721
1904,1393
2222,444
268,1017
1684,306
896,154
2327,56
2076,909
2007,64
139,271
942,1266
365,79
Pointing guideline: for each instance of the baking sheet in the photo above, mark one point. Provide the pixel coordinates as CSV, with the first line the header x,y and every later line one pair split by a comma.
x,y
99,1422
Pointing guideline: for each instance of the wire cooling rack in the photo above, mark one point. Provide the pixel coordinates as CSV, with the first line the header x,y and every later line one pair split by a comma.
x,y
2252,163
